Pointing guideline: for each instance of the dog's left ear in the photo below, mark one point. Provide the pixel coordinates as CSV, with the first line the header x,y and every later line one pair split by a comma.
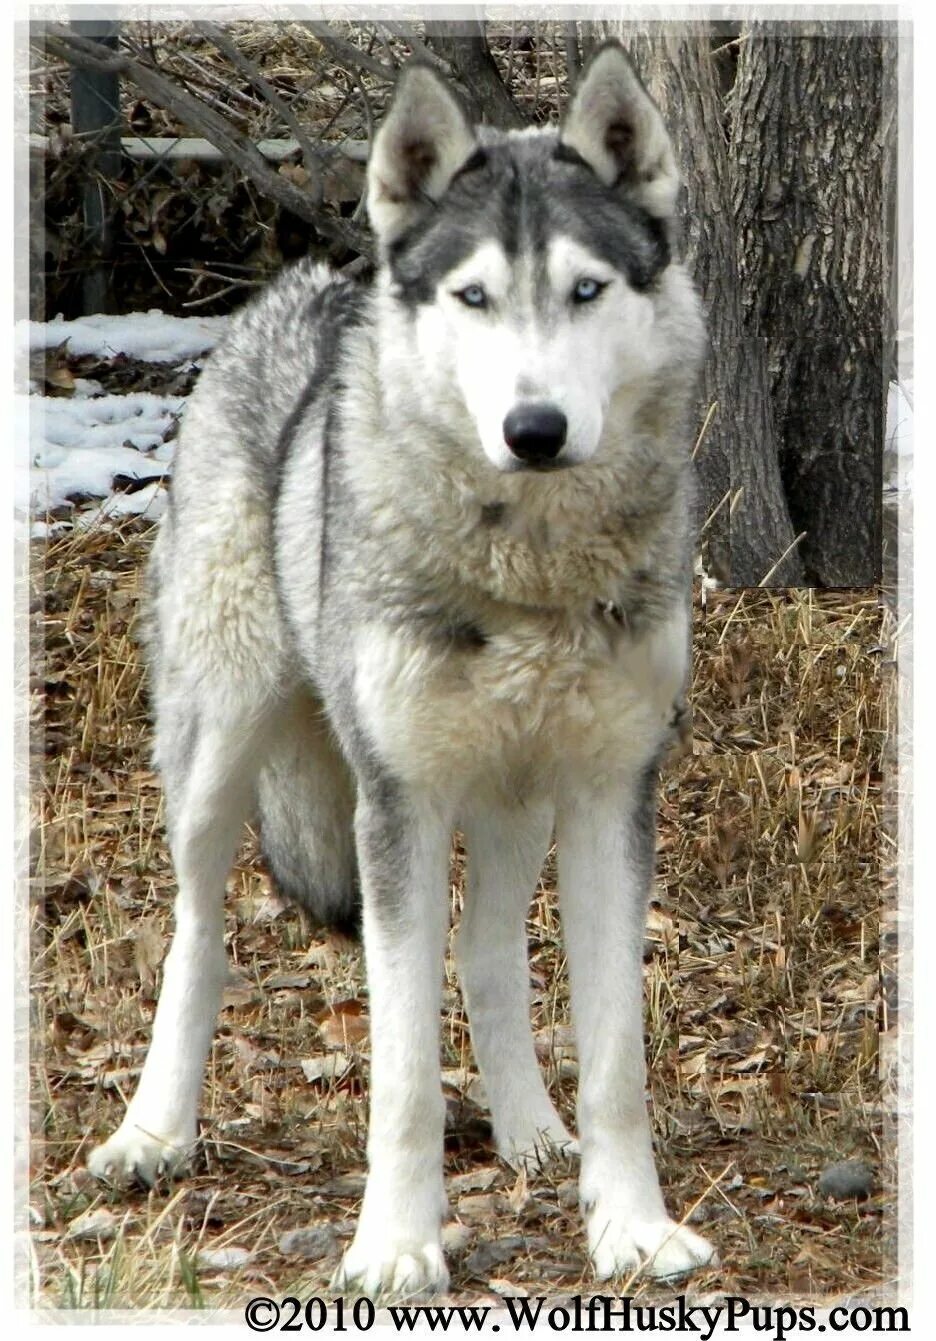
x,y
614,124
422,142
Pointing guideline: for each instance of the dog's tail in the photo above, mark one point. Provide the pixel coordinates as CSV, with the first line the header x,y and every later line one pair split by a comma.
x,y
306,804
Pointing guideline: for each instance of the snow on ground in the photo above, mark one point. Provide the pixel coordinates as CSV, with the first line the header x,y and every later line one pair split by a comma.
x,y
75,447
152,336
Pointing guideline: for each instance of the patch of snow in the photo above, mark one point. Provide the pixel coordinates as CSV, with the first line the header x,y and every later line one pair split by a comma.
x,y
150,336
41,530
150,501
69,447
78,445
87,386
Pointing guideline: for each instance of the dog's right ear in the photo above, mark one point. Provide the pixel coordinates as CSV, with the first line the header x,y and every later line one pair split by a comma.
x,y
422,142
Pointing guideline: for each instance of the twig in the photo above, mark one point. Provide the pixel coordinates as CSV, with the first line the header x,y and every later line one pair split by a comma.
x,y
346,53
791,546
207,72
714,513
201,273
213,297
404,33
726,46
710,415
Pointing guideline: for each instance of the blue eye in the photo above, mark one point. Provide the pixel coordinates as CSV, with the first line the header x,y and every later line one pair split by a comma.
x,y
473,295
587,290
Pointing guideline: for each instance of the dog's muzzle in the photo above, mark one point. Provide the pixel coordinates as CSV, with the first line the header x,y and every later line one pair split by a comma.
x,y
535,433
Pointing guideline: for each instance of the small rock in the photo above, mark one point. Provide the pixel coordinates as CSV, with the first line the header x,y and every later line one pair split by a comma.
x,y
475,1180
312,1243
705,1212
223,1259
848,1178
347,1185
456,1237
280,981
493,1254
479,1206
536,1209
97,1224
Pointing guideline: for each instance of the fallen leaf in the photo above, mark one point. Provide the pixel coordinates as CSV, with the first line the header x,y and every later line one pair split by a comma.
x,y
343,1024
519,1195
325,1068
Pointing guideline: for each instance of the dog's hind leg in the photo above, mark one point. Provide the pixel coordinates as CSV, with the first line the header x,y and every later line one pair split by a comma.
x,y
207,762
306,803
506,848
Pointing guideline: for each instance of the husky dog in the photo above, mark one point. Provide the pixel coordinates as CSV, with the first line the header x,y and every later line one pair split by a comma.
x,y
426,566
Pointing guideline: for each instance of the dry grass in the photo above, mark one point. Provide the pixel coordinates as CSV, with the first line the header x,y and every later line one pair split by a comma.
x,y
761,973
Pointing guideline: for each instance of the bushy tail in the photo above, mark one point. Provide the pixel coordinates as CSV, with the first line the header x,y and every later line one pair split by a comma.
x,y
306,804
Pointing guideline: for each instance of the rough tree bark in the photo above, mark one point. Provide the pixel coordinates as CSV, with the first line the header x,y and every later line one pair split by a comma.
x,y
811,142
464,46
753,539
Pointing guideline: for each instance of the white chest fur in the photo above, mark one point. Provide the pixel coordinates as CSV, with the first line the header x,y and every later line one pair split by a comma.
x,y
543,695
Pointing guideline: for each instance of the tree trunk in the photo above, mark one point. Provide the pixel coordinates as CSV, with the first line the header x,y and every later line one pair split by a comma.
x,y
752,538
809,160
464,46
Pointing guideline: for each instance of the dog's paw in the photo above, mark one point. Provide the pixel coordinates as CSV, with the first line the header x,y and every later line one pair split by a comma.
x,y
134,1154
391,1268
661,1248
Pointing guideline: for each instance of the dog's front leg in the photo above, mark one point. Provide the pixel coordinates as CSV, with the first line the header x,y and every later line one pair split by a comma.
x,y
606,844
403,849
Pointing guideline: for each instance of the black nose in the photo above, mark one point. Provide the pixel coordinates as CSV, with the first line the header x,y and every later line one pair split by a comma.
x,y
535,432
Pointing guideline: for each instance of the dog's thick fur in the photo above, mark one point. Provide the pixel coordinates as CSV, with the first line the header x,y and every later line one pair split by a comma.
x,y
427,565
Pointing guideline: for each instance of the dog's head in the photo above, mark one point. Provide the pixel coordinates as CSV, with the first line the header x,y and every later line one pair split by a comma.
x,y
528,261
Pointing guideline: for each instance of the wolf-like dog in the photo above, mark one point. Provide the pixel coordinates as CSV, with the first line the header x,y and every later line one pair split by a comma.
x,y
427,566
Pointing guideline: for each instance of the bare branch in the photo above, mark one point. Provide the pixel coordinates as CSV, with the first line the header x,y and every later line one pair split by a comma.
x,y
236,147
346,53
310,154
417,46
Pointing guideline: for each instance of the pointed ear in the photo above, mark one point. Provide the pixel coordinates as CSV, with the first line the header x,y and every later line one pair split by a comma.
x,y
422,142
613,124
